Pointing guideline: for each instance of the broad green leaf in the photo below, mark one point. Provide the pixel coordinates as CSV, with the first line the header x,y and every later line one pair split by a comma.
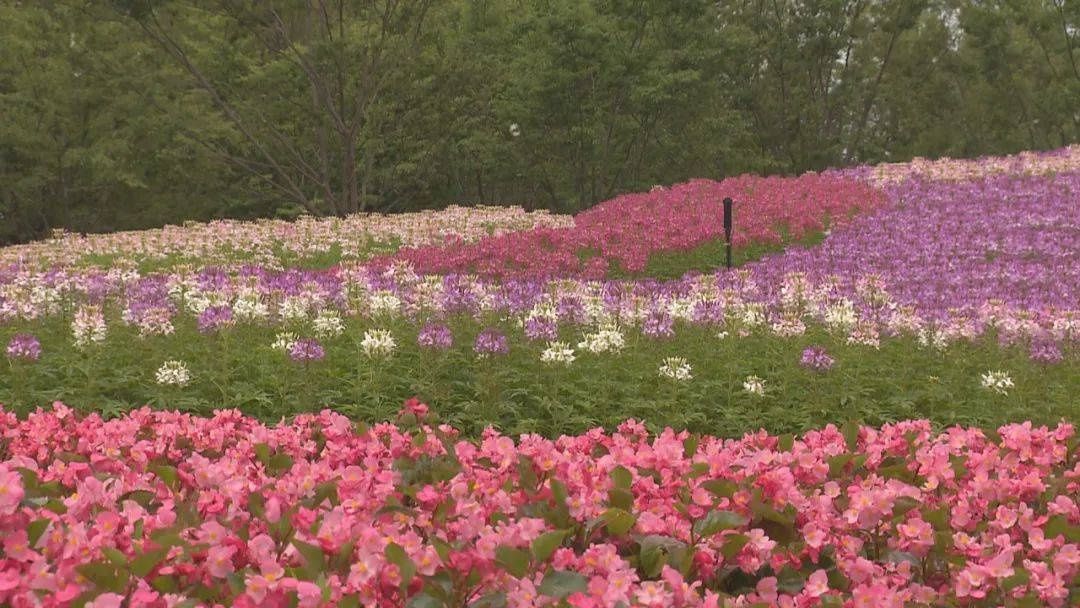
x,y
561,583
546,544
314,559
618,521
621,477
716,521
396,555
513,560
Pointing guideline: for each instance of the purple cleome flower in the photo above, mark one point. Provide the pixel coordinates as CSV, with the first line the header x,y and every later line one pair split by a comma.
x,y
305,350
435,335
215,318
541,328
815,358
25,347
491,342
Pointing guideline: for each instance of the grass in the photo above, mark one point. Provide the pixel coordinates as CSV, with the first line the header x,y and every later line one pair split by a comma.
x,y
517,393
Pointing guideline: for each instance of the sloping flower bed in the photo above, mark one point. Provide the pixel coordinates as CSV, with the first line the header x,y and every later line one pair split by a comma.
x,y
624,231
168,509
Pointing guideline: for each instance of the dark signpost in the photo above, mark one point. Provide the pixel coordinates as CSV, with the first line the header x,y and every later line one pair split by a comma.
x,y
727,228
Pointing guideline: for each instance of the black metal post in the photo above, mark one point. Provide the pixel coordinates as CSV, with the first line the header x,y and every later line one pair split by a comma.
x,y
727,228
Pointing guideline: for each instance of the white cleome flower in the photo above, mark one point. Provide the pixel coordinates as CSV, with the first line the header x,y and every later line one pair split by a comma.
x,y
249,308
384,303
604,340
999,382
293,308
284,341
754,386
173,373
676,368
328,324
88,326
378,343
558,352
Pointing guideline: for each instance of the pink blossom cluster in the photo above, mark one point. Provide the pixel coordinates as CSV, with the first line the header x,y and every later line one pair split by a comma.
x,y
1063,160
162,508
623,232
266,241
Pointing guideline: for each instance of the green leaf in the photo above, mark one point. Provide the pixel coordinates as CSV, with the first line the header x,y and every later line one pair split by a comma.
x,y
621,477
838,463
36,529
314,559
785,442
1058,525
105,575
167,474
424,600
618,521
690,445
623,499
561,583
115,556
349,601
166,584
721,488
495,599
658,550
396,555
513,560
527,474
1020,577
141,497
144,563
851,435
716,521
733,543
546,544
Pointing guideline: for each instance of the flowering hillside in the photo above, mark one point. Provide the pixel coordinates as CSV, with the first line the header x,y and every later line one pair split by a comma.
x,y
876,408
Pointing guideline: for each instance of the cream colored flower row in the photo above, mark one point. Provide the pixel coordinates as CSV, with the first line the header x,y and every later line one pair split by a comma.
x,y
272,242
950,169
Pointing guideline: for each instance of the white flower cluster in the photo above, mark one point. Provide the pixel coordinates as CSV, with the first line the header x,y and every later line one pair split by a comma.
x,y
929,338
841,315
378,343
754,386
384,303
676,368
604,340
999,382
293,308
788,326
328,324
284,341
558,352
88,326
173,373
249,307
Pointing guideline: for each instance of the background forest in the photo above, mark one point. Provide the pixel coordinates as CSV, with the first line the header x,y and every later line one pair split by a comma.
x,y
135,113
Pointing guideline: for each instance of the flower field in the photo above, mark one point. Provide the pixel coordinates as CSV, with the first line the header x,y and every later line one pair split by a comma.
x,y
876,408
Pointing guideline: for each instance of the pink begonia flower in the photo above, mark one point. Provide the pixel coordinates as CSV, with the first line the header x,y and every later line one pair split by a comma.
x,y
817,584
11,490
766,589
106,600
485,506
219,561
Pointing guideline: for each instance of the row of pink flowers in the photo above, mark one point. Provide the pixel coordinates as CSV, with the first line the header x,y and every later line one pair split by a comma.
x,y
164,508
625,231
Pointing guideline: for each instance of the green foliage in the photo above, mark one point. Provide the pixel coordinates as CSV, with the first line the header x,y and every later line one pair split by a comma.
x,y
517,393
136,113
